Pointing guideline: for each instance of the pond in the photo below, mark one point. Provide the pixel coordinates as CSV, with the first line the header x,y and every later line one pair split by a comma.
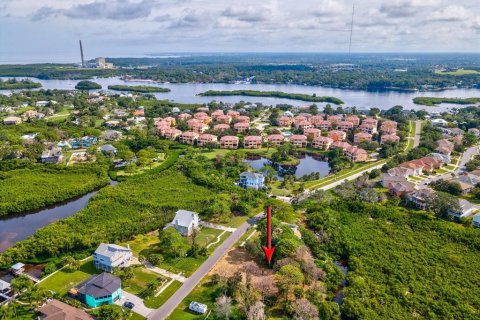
x,y
308,164
17,227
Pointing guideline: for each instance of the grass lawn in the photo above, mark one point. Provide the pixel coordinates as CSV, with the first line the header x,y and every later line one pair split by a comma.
x,y
136,316
458,72
237,221
99,122
140,281
222,152
147,244
205,293
142,242
63,281
156,302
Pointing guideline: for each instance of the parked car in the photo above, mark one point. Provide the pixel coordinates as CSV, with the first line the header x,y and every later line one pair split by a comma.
x,y
129,305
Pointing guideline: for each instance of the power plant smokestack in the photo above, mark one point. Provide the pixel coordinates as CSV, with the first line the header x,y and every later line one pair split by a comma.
x,y
81,53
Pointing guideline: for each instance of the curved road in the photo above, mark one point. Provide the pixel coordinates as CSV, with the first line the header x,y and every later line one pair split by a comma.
x,y
167,308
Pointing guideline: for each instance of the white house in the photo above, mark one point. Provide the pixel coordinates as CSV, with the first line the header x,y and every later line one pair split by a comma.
x,y
198,307
439,122
185,222
110,256
466,209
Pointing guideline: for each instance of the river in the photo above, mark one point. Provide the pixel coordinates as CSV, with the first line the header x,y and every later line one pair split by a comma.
x,y
16,227
187,93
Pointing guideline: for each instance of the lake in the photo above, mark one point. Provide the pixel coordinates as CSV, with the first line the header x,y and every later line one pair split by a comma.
x,y
307,165
187,93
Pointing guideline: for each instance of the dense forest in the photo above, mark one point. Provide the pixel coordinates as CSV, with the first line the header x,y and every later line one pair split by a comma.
x,y
12,84
275,94
431,101
33,186
366,72
401,264
87,85
139,205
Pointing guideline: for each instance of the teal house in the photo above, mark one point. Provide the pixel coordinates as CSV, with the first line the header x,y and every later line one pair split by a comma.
x,y
98,290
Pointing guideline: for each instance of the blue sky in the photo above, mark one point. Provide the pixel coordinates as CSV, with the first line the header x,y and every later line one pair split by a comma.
x,y
48,30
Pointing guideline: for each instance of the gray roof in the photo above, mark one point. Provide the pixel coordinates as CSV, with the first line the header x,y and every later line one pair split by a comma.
x,y
100,285
18,265
110,250
251,175
184,218
108,148
4,285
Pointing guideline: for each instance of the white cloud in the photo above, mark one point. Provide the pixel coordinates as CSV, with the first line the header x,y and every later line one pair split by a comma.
x,y
451,13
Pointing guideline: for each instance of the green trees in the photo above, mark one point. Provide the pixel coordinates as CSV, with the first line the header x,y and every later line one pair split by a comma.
x,y
39,185
452,187
87,85
288,278
172,243
276,94
13,84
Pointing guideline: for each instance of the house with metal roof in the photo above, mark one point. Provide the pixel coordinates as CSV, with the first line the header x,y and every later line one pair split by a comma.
x,y
185,222
110,256
98,290
251,180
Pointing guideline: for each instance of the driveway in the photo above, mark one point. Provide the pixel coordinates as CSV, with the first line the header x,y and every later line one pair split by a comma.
x,y
167,308
139,306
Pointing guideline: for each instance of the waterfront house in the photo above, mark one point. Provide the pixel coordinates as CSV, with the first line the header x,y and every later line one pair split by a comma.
x,y
298,140
4,287
188,137
206,138
322,142
361,137
185,222
439,122
466,209
251,180
229,142
252,142
57,310
98,290
275,139
340,145
356,154
312,133
110,256
337,135
420,197
17,269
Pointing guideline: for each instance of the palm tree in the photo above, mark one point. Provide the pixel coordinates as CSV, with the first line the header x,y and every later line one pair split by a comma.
x,y
6,312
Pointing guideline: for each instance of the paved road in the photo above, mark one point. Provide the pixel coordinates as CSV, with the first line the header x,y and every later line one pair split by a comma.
x,y
139,306
418,130
167,308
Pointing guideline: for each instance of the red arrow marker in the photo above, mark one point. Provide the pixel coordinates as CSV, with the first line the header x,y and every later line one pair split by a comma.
x,y
269,250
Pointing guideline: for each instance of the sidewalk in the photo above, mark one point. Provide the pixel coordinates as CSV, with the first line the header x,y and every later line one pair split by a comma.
x,y
216,226
164,272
